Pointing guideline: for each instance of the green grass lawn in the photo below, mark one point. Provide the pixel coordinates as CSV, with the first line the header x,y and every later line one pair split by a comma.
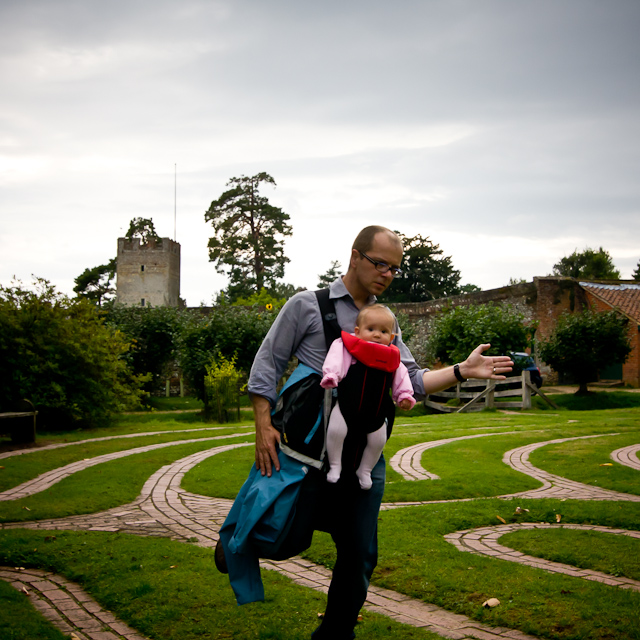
x,y
167,589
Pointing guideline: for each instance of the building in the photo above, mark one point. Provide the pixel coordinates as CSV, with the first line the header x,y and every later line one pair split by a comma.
x,y
544,300
148,274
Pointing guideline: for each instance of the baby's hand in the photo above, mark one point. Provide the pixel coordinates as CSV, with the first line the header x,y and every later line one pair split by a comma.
x,y
405,404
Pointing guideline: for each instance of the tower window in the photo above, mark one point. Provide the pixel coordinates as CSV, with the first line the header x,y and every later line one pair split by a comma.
x,y
142,302
141,267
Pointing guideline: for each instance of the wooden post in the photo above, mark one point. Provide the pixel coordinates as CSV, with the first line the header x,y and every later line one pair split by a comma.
x,y
491,389
526,389
167,388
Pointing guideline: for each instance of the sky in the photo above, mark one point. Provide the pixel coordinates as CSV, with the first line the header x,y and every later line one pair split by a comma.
x,y
505,131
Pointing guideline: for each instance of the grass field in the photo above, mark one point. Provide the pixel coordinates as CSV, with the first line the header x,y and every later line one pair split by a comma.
x,y
169,589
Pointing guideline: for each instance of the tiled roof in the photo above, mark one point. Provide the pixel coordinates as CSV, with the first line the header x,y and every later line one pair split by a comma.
x,y
625,297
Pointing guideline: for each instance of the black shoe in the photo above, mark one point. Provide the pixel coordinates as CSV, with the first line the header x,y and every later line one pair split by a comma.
x,y
220,560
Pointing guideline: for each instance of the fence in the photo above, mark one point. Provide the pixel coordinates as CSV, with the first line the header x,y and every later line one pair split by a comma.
x,y
475,395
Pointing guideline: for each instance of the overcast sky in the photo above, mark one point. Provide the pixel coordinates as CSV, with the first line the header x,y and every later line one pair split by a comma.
x,y
507,131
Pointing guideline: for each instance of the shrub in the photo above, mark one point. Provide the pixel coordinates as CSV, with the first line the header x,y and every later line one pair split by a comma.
x,y
59,354
459,330
222,389
230,331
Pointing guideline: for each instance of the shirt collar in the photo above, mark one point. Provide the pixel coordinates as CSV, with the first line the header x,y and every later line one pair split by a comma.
x,y
337,290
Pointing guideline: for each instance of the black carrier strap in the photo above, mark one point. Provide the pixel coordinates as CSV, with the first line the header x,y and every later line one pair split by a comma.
x,y
332,329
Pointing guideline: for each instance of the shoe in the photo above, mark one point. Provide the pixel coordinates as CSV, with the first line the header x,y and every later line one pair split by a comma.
x,y
220,560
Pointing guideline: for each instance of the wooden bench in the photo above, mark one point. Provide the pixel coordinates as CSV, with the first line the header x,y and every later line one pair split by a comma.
x,y
21,423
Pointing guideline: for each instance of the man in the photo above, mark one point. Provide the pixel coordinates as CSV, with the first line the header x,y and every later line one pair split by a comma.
x,y
348,513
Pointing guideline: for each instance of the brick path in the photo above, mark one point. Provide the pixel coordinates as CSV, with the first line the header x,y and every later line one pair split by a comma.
x,y
165,509
484,541
67,606
627,456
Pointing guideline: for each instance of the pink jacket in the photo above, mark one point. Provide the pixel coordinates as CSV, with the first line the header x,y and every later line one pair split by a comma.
x,y
337,363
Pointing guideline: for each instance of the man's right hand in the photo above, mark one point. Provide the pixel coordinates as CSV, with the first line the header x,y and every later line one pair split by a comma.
x,y
267,437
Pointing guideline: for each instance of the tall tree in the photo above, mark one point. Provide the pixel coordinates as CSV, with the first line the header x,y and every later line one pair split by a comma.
x,y
427,274
142,228
583,343
248,235
589,264
330,275
96,284
636,274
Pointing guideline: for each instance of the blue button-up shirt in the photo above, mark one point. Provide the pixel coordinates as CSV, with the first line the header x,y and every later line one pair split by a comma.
x,y
298,331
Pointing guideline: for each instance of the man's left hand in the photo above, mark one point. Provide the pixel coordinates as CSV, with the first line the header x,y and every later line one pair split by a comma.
x,y
485,367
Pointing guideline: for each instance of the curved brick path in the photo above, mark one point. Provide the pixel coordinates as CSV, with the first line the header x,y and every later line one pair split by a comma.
x,y
484,541
164,509
554,486
67,606
627,456
407,461
48,479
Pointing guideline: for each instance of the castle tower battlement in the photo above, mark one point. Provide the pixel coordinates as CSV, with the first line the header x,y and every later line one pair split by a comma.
x,y
148,274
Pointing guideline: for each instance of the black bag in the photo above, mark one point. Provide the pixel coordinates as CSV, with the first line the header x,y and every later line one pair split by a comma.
x,y
302,409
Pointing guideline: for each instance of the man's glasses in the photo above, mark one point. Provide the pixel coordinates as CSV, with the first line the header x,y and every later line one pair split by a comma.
x,y
382,267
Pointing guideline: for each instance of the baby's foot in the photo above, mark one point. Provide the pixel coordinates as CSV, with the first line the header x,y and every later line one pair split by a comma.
x,y
365,480
334,475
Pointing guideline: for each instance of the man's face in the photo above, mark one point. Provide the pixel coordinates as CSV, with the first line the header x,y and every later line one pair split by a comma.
x,y
383,249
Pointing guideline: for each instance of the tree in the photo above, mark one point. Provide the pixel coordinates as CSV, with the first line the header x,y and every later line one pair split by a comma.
x,y
583,343
59,354
588,264
636,274
96,284
154,334
248,236
458,330
331,274
142,228
470,288
426,273
229,331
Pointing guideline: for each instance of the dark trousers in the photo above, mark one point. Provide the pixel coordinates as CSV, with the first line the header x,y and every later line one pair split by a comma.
x,y
350,516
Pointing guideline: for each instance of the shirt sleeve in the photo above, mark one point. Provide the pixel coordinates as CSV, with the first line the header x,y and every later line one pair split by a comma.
x,y
402,388
281,342
336,365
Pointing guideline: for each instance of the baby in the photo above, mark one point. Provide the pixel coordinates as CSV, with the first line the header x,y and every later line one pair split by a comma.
x,y
364,366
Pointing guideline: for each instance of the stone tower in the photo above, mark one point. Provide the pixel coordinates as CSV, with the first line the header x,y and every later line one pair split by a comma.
x,y
148,274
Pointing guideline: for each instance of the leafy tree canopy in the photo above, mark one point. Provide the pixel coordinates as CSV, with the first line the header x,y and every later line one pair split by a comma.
x,y
459,330
636,274
229,331
154,335
583,343
426,273
96,284
248,236
470,288
588,264
59,354
142,228
330,275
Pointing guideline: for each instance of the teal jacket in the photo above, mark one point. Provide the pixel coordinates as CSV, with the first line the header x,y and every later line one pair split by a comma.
x,y
258,523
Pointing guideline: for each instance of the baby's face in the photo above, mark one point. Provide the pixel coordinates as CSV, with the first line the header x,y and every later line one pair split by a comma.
x,y
375,327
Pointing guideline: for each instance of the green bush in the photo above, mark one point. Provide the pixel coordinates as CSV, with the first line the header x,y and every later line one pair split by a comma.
x,y
459,330
59,354
154,333
222,384
232,332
